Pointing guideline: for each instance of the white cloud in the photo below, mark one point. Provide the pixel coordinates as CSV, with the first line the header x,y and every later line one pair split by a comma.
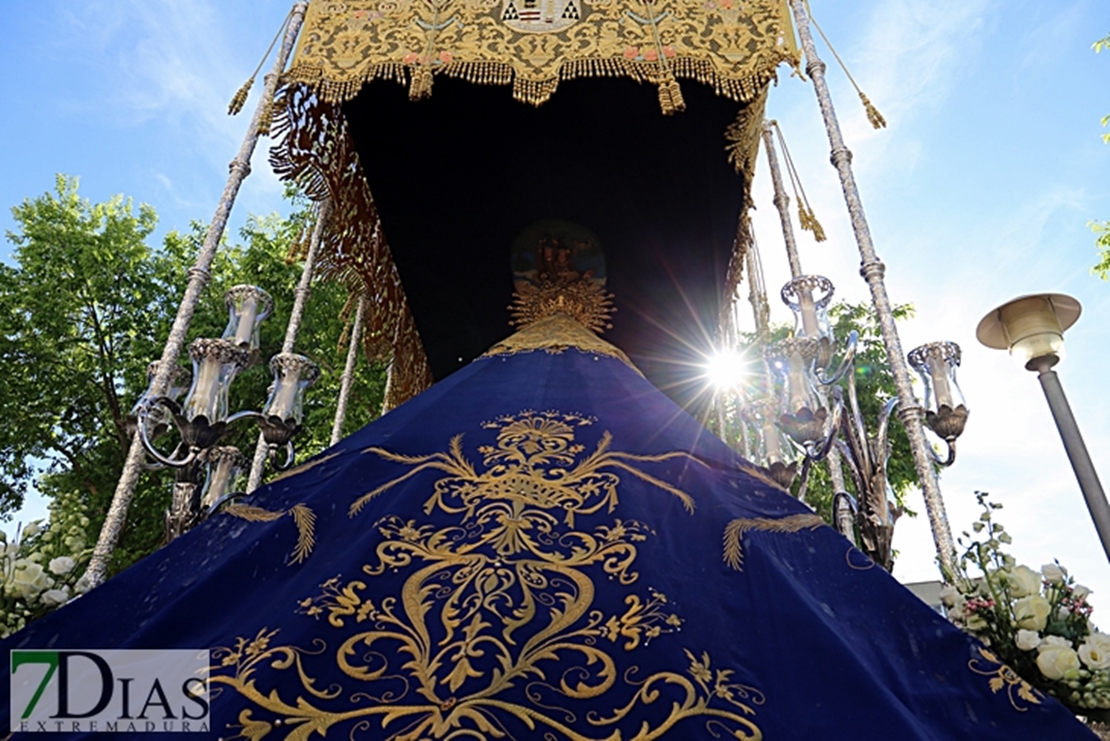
x,y
173,66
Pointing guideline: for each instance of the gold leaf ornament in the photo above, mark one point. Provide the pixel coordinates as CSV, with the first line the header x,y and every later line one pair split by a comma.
x,y
734,532
1020,693
303,517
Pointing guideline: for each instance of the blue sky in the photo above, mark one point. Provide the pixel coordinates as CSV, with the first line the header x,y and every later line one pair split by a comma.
x,y
980,189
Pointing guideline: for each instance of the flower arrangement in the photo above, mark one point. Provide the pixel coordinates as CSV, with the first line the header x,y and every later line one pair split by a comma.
x,y
40,567
1038,622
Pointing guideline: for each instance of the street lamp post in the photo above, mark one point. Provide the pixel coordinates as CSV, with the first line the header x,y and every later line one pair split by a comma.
x,y
1032,329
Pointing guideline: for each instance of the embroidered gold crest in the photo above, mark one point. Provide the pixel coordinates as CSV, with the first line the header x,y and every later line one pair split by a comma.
x,y
540,16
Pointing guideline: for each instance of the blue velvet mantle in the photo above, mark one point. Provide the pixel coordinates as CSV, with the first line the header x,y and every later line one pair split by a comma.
x,y
543,546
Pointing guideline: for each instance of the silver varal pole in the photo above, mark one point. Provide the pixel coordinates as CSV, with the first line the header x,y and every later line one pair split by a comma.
x,y
872,270
198,278
348,371
1077,451
300,299
782,201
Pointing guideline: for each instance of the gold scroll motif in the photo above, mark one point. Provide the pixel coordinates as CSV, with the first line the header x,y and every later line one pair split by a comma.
x,y
512,579
734,532
1020,693
733,45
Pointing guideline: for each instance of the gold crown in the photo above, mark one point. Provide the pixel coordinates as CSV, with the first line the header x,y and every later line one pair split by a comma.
x,y
569,292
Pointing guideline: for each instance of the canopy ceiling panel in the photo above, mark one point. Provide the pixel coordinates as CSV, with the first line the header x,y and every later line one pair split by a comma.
x,y
457,170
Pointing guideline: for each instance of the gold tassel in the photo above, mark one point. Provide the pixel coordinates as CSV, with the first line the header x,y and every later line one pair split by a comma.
x,y
297,248
421,85
670,95
676,95
808,221
873,114
665,103
266,119
240,98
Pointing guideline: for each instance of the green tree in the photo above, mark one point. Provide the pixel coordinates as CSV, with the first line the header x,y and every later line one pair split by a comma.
x,y
85,308
74,312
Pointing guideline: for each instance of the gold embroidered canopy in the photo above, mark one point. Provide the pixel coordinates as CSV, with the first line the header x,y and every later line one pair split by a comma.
x,y
733,45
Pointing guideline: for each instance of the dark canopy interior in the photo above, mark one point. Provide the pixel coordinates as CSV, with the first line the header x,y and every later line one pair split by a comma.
x,y
456,177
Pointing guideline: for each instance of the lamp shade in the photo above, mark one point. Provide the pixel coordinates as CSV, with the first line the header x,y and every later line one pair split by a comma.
x,y
808,296
215,365
247,306
802,415
1030,327
945,409
293,374
225,465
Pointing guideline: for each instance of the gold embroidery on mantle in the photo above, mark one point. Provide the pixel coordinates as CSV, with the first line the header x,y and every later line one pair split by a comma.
x,y
501,597
554,334
530,466
733,46
734,532
303,517
1020,693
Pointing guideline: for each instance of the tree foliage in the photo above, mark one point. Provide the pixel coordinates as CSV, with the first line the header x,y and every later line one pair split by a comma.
x,y
1099,46
88,304
1102,228
1102,241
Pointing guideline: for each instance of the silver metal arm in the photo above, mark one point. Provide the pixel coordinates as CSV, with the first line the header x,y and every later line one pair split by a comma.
x,y
846,363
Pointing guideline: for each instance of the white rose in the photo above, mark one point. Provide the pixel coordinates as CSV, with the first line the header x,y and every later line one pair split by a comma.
x,y
1024,581
54,597
1054,573
1056,662
29,579
32,529
1055,642
1027,640
1093,657
950,596
61,565
1080,592
1095,651
1031,613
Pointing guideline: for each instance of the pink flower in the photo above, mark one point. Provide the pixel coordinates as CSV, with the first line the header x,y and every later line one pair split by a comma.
x,y
651,55
669,52
631,52
446,56
410,57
